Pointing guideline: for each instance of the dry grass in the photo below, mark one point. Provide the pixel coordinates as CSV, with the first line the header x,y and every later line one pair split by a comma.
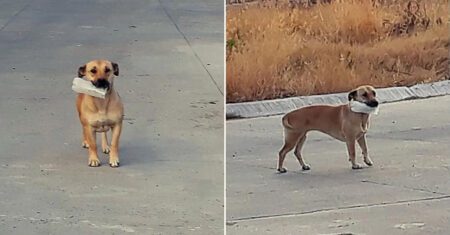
x,y
277,52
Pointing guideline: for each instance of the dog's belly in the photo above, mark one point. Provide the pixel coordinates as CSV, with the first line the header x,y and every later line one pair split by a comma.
x,y
102,128
101,123
338,136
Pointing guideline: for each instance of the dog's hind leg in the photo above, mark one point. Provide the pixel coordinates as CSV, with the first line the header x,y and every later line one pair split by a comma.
x,y
298,153
290,140
105,146
362,143
84,142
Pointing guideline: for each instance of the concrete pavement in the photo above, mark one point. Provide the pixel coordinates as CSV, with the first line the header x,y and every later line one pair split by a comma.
x,y
407,191
171,68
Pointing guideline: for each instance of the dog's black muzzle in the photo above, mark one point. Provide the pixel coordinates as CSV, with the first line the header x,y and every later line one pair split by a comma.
x,y
101,83
372,103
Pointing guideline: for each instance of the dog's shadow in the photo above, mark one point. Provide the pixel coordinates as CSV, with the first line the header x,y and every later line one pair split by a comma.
x,y
148,150
137,153
335,174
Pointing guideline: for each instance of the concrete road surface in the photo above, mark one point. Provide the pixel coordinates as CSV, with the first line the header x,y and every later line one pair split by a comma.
x,y
170,55
407,191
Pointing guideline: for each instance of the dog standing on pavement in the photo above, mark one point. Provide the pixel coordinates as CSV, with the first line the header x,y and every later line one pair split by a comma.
x,y
100,115
339,122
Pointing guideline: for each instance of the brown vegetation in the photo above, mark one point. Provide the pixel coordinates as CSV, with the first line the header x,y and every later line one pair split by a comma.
x,y
276,50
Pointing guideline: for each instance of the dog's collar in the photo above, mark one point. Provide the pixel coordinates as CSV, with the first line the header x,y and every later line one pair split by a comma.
x,y
360,107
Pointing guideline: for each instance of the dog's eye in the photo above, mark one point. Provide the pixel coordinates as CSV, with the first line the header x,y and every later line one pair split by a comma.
x,y
107,70
365,94
93,71
374,93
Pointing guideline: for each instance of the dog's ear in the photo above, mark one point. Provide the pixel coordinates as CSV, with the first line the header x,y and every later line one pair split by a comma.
x,y
352,95
115,68
82,71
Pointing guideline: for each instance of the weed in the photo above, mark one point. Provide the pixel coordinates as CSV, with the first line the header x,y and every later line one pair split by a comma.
x,y
282,51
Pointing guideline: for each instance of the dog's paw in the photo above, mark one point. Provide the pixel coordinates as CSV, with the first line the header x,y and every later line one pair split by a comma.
x,y
106,149
94,162
85,145
356,166
114,162
282,170
368,161
306,167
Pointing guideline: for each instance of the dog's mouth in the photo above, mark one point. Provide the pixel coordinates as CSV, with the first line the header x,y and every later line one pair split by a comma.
x,y
368,107
372,103
101,83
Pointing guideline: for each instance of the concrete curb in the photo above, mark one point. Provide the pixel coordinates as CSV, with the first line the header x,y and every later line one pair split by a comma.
x,y
281,106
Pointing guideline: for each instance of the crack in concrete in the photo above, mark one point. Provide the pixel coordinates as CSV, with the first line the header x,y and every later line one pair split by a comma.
x,y
15,15
333,209
402,186
190,46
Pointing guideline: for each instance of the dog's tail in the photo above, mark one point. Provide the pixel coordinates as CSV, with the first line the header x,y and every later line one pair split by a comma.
x,y
286,124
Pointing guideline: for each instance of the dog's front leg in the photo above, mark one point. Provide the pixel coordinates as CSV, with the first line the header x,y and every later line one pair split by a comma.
x,y
114,154
362,143
351,142
91,141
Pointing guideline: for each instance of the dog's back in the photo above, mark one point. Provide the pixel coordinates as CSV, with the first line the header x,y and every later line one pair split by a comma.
x,y
315,117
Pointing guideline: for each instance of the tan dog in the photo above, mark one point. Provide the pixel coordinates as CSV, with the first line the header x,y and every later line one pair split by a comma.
x,y
339,122
100,115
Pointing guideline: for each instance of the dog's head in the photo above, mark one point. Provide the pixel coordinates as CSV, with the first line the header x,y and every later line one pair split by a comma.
x,y
364,94
99,72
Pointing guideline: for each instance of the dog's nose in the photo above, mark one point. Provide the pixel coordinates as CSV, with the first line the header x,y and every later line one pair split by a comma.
x,y
101,83
372,103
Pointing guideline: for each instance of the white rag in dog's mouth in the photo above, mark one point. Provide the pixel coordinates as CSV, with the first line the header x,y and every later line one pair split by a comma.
x,y
360,107
81,85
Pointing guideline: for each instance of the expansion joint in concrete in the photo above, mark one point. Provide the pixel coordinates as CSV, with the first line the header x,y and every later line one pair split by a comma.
x,y
14,16
190,46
